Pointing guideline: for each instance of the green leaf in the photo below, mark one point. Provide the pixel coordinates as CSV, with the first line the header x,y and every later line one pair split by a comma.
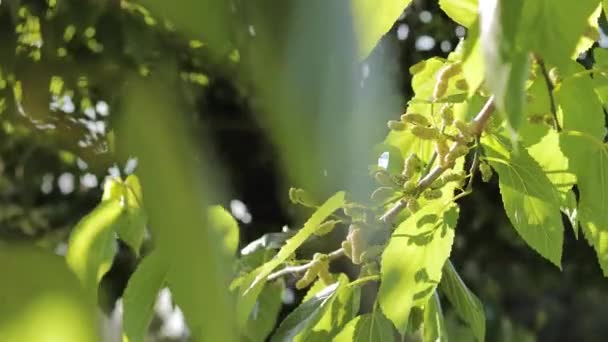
x,y
372,327
590,35
226,226
344,308
530,200
506,61
473,67
434,323
373,19
554,164
92,244
463,12
582,142
468,307
41,299
175,202
253,285
554,30
132,228
307,314
140,295
425,241
265,313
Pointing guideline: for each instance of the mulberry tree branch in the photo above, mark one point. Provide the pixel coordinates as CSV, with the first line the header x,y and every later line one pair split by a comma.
x,y
476,126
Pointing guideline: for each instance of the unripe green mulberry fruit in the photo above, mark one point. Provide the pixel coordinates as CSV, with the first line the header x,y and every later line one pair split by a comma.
x,y
411,166
447,115
412,205
415,118
440,89
432,194
427,133
383,193
357,243
383,178
486,172
462,84
409,187
395,125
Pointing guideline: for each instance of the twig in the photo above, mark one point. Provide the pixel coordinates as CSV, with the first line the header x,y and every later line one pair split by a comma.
x,y
550,88
477,125
298,269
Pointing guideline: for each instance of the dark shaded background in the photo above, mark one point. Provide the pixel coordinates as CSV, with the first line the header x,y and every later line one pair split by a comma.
x,y
524,294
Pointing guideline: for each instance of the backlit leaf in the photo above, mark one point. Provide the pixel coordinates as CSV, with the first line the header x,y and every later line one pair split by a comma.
x,y
582,143
254,282
344,308
506,61
530,200
463,12
372,327
425,241
372,19
307,314
92,244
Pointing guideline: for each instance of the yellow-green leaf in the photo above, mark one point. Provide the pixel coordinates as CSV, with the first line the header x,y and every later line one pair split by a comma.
x,y
582,141
463,12
372,19
41,299
92,244
372,327
253,285
530,200
425,241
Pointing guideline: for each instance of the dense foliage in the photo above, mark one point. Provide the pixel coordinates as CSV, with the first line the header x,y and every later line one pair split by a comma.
x,y
509,106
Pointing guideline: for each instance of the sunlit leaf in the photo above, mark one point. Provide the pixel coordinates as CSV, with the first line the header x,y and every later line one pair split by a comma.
x,y
463,12
255,281
42,300
582,141
133,224
344,308
465,303
531,202
372,327
227,227
473,66
425,241
307,314
373,19
92,244
505,59
140,295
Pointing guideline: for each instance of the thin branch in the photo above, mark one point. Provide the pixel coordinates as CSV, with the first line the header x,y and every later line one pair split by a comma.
x,y
550,88
477,126
298,269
